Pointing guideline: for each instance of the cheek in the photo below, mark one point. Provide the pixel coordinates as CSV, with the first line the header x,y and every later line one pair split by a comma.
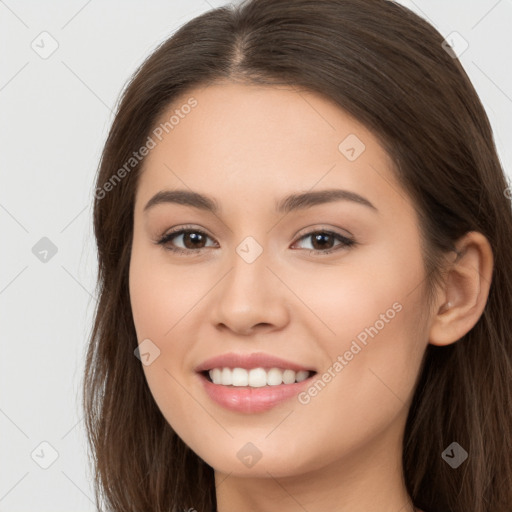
x,y
160,294
370,317
163,299
349,301
374,358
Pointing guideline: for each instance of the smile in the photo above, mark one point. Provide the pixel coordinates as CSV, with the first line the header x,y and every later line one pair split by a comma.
x,y
253,382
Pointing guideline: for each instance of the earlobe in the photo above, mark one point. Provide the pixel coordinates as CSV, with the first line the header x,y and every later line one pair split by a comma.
x,y
466,289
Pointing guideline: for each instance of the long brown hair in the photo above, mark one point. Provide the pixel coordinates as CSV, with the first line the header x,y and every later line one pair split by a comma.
x,y
388,68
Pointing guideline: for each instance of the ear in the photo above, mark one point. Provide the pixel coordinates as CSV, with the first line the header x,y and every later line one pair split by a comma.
x,y
465,291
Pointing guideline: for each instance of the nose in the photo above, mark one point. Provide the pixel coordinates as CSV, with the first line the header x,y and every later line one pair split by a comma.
x,y
250,297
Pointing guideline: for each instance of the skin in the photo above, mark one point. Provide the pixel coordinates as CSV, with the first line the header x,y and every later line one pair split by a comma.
x,y
248,146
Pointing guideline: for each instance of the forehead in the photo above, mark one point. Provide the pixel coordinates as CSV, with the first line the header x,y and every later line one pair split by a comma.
x,y
260,140
251,119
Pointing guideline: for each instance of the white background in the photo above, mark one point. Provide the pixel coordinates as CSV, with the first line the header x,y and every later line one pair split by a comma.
x,y
55,115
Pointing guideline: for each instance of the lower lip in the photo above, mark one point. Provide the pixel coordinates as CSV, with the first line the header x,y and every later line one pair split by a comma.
x,y
252,400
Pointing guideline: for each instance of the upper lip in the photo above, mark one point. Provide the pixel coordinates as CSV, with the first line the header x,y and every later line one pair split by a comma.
x,y
249,361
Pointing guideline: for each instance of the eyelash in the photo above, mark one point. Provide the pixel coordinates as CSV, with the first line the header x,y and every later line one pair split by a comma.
x,y
345,242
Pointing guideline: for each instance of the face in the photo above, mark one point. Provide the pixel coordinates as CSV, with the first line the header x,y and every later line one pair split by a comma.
x,y
318,303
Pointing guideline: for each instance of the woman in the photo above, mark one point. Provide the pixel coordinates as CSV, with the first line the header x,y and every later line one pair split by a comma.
x,y
304,272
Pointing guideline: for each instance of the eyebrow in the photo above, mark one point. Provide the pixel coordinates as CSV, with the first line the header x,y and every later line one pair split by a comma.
x,y
289,203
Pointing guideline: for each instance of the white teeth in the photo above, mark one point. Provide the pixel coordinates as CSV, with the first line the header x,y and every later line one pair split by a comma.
x,y
225,377
240,377
216,374
274,377
302,375
256,377
288,376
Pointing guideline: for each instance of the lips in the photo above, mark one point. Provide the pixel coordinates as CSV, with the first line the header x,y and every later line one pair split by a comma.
x,y
246,399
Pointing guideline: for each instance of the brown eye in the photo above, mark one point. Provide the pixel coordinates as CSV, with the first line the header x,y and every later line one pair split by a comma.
x,y
322,241
192,240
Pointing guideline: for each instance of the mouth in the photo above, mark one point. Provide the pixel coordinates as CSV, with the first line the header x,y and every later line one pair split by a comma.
x,y
252,383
